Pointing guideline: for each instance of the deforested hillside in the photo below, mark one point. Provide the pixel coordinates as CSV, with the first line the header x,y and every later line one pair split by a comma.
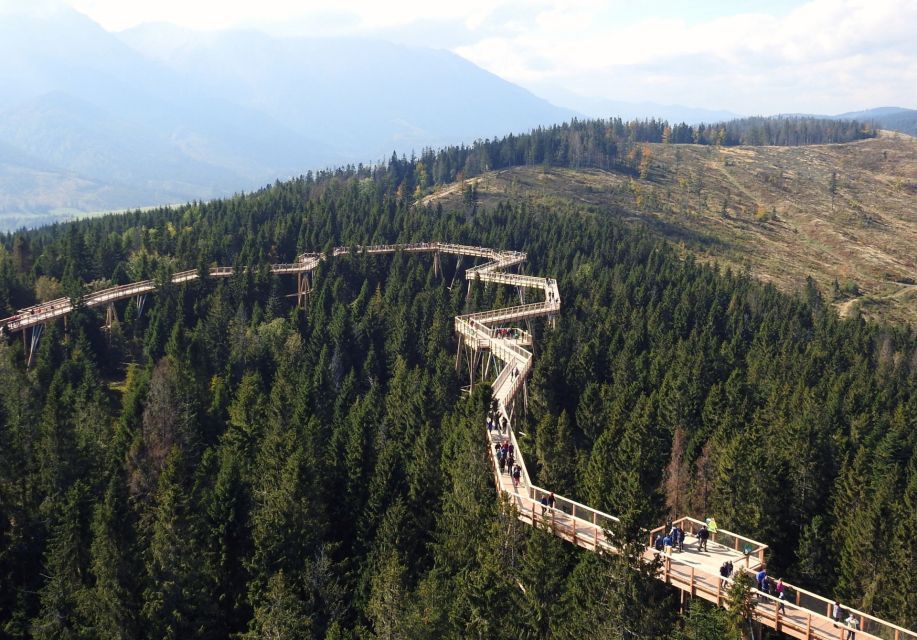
x,y
843,214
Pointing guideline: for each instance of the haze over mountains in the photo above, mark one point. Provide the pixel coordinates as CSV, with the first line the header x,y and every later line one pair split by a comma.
x,y
91,120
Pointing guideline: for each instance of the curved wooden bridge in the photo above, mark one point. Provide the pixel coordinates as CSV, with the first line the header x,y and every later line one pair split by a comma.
x,y
491,341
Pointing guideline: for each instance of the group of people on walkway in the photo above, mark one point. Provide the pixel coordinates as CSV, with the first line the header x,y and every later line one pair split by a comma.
x,y
547,501
674,540
851,621
508,333
506,459
496,423
767,585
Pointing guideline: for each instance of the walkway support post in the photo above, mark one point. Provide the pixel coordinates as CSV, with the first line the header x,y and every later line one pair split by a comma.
x,y
303,289
458,353
111,317
36,336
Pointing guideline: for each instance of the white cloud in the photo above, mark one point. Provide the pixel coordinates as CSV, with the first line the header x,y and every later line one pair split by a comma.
x,y
823,55
752,63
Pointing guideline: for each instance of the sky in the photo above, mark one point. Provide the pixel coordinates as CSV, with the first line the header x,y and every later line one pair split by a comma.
x,y
747,56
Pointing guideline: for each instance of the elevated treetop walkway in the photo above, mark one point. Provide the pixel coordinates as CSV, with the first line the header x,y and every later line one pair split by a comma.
x,y
804,614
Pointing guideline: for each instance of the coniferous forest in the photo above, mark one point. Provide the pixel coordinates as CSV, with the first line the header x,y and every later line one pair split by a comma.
x,y
228,465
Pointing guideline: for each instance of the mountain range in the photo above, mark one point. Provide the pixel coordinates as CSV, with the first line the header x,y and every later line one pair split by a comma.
x,y
91,120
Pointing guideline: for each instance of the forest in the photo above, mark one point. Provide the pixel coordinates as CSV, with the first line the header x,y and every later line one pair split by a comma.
x,y
614,144
226,464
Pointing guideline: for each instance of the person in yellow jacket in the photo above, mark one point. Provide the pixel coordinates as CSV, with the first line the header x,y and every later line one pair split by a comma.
x,y
711,527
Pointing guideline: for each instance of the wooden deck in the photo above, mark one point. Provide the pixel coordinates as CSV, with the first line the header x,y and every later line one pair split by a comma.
x,y
805,615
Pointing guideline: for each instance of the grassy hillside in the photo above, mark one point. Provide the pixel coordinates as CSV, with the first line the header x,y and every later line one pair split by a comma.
x,y
843,213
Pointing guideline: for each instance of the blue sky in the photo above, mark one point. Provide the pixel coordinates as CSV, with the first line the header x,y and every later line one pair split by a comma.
x,y
747,56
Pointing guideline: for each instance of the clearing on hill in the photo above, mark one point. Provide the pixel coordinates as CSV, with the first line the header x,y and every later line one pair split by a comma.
x,y
845,214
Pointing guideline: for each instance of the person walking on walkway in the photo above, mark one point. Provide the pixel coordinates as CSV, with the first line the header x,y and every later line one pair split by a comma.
x,y
852,626
837,613
761,577
517,473
702,536
551,500
711,527
781,598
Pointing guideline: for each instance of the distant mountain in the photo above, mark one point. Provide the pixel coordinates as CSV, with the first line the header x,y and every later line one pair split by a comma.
x,y
673,113
91,120
365,98
892,118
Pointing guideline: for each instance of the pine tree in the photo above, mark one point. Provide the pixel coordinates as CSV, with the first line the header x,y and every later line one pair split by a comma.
x,y
815,558
285,516
388,594
705,622
740,603
229,543
280,614
110,605
543,568
554,446
176,601
65,569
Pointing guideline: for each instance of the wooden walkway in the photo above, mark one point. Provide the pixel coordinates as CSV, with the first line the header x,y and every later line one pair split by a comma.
x,y
804,615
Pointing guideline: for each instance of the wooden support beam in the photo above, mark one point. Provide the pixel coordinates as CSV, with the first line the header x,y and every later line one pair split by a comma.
x,y
303,289
111,317
36,336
